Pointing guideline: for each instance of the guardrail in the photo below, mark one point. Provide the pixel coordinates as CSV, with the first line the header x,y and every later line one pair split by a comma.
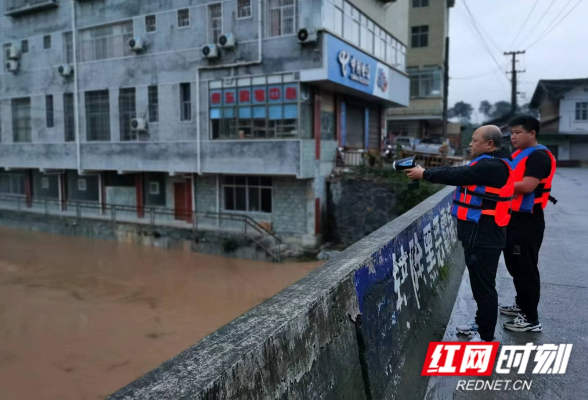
x,y
151,215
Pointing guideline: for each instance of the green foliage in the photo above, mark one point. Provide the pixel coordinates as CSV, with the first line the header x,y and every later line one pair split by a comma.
x,y
409,197
444,273
230,245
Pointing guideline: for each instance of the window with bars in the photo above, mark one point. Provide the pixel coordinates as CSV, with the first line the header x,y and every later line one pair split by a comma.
x,y
243,8
69,117
185,102
153,100
49,112
281,17
261,107
127,111
184,17
215,22
582,111
68,53
47,42
247,193
420,36
105,42
420,3
21,120
24,46
425,82
98,116
151,23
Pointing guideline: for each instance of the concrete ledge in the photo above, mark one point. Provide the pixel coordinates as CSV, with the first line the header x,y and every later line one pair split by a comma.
x,y
356,328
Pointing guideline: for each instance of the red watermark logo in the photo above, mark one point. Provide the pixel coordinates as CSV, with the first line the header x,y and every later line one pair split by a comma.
x,y
458,358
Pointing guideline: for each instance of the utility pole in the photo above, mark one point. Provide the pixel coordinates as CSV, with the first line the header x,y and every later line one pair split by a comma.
x,y
514,93
445,86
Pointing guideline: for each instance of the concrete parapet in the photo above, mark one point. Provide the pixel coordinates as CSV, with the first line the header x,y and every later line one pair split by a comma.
x,y
356,328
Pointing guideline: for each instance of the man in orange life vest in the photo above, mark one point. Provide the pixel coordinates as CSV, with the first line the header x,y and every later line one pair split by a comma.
x,y
482,206
534,169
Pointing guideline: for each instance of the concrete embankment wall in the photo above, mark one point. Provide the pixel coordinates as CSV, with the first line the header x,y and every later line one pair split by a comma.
x,y
208,242
356,328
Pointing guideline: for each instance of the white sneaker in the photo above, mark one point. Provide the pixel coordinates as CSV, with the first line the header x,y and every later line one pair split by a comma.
x,y
475,337
511,309
521,324
468,328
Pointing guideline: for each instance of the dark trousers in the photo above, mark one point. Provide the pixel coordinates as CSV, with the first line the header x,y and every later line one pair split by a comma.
x,y
522,258
482,265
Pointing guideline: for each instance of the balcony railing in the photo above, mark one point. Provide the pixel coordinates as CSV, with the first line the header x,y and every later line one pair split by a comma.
x,y
395,112
16,8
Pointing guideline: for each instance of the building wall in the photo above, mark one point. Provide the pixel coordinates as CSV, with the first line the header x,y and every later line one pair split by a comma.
x,y
568,123
387,16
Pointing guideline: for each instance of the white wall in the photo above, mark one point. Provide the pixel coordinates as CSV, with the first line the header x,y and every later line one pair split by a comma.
x,y
567,111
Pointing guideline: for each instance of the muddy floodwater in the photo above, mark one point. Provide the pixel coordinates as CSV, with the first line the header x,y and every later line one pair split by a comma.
x,y
81,318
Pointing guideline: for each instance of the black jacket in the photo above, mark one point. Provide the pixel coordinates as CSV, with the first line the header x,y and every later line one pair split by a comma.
x,y
487,172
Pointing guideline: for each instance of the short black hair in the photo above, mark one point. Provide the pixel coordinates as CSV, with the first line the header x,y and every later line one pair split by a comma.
x,y
528,122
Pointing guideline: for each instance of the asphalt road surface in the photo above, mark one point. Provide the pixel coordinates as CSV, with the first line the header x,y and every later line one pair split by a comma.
x,y
563,309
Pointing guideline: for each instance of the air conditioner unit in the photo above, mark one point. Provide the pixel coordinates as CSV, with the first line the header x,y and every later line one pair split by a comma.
x,y
65,70
12,53
210,51
12,66
227,41
139,124
307,35
137,44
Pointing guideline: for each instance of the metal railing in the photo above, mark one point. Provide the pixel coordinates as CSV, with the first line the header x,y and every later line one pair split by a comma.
x,y
15,5
151,215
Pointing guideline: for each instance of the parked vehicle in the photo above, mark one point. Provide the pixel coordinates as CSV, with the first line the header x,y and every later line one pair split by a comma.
x,y
434,145
406,142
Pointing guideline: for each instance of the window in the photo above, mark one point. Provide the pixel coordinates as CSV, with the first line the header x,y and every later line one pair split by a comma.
x,y
24,46
243,8
104,42
47,42
154,188
21,120
153,101
420,36
425,82
261,107
49,111
97,116
44,183
281,14
127,111
215,22
247,193
69,117
68,48
582,111
420,3
151,23
82,185
184,17
12,184
185,102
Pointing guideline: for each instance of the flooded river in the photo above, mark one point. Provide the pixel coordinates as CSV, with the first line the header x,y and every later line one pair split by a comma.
x,y
81,318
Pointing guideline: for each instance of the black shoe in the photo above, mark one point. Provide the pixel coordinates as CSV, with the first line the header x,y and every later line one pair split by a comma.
x,y
521,324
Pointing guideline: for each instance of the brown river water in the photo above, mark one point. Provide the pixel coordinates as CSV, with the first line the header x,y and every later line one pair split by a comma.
x,y
81,318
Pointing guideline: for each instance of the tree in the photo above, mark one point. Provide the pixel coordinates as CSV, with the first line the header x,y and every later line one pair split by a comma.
x,y
461,110
500,109
485,108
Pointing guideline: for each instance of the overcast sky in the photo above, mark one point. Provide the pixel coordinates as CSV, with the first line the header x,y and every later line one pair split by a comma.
x,y
561,54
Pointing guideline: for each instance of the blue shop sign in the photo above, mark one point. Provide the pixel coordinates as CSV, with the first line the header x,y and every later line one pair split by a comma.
x,y
351,67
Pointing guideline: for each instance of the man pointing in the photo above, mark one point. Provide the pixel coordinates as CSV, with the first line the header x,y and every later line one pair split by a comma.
x,y
482,207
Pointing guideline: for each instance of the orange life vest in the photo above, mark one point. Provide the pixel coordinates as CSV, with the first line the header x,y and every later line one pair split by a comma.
x,y
471,202
525,202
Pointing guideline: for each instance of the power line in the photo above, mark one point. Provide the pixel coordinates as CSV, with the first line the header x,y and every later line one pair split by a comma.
x,y
476,33
555,26
524,23
479,27
487,73
538,22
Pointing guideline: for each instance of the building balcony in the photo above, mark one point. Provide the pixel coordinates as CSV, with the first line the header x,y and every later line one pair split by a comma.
x,y
17,8
414,114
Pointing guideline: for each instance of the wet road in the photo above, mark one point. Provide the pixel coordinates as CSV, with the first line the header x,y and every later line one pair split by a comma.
x,y
81,318
563,309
